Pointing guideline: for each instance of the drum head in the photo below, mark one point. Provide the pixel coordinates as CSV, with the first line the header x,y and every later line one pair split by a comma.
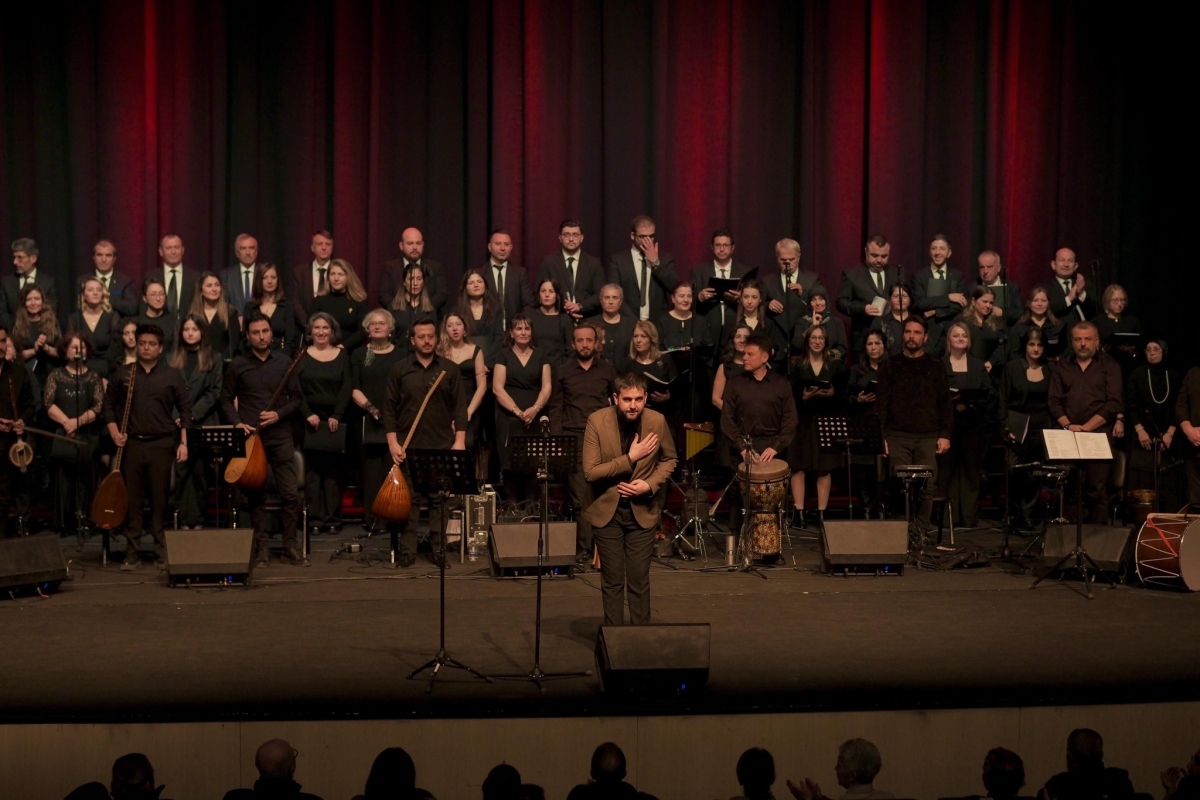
x,y
1189,556
770,472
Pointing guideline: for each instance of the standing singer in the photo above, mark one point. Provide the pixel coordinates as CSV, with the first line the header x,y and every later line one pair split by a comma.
x,y
16,411
628,455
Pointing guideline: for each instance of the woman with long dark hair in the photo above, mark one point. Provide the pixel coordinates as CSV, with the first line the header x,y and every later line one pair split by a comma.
x,y
224,326
74,397
36,333
1024,395
268,297
812,367
860,397
202,371
552,326
411,304
454,344
481,311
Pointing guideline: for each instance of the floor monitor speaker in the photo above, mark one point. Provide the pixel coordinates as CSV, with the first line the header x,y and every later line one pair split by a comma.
x,y
875,546
216,554
514,546
32,561
1111,548
658,660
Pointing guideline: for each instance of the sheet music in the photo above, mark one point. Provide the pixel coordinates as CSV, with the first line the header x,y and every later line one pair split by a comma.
x,y
881,303
1093,446
1072,446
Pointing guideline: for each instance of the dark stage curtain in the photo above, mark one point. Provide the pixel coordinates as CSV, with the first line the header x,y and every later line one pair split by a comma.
x,y
1019,125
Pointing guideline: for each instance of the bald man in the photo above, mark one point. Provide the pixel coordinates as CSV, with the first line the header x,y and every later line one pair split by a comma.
x,y
412,251
276,764
1072,299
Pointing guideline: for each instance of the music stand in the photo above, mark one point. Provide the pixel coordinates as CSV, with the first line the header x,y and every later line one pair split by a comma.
x,y
857,433
442,472
221,442
544,455
1079,553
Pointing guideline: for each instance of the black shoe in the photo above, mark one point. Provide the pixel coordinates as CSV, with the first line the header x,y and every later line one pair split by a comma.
x,y
774,561
437,560
798,518
820,520
293,555
263,559
406,560
130,563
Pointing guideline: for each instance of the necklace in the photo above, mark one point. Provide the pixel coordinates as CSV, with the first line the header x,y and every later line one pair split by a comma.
x,y
1150,383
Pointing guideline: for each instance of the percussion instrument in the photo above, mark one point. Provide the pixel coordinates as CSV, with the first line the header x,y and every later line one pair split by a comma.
x,y
1167,551
763,498
697,436
250,471
21,452
393,501
1141,504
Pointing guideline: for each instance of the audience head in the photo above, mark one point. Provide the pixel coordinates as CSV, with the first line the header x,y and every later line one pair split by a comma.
x,y
1003,773
1085,750
608,761
858,762
276,759
756,772
89,791
392,775
132,777
502,783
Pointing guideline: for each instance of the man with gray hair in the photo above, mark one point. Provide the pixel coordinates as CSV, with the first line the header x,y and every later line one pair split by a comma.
x,y
788,292
857,765
276,764
25,258
239,278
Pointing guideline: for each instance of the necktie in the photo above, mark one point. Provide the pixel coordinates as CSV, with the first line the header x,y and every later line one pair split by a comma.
x,y
1066,286
320,279
104,281
571,278
500,290
24,280
721,300
245,285
941,274
645,298
172,300
878,276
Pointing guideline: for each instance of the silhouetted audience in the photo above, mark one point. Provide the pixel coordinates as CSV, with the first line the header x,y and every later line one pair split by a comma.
x,y
89,791
502,783
276,764
1183,783
133,779
756,775
608,778
857,765
1003,776
393,777
1086,777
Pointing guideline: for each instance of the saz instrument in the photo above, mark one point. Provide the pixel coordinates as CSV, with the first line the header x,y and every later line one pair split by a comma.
x,y
393,502
250,472
110,504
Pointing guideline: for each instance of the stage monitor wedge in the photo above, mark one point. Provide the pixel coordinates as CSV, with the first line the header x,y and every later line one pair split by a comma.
x,y
662,661
1111,548
871,546
31,561
514,546
219,554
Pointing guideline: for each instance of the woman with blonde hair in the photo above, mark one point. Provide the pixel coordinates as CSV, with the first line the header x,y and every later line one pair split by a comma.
x,y
370,367
959,470
97,320
344,299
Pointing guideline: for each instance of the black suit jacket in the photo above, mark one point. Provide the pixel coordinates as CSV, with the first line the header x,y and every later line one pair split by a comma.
x,y
855,292
1070,314
590,279
794,306
392,283
11,288
1012,296
231,279
943,308
187,289
711,309
621,271
518,294
122,292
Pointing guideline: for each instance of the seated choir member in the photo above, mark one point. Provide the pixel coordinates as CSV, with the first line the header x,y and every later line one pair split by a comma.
x,y
455,345
551,324
481,310
74,399
913,403
269,298
325,386
411,303
814,364
891,324
203,371
1038,315
615,323
960,469
224,324
938,291
1086,395
1025,392
370,367
344,299
521,382
250,382
97,320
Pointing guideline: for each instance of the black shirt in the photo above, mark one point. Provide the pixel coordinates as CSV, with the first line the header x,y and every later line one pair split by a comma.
x,y
445,414
1079,394
253,382
764,410
15,388
914,397
578,392
156,395
348,312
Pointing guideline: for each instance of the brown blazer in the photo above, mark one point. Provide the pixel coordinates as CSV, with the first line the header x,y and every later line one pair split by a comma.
x,y
605,465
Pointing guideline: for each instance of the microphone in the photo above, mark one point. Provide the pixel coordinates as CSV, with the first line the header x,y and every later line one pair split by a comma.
x,y
545,422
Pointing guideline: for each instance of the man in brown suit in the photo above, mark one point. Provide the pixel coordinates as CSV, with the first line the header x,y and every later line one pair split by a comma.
x,y
627,455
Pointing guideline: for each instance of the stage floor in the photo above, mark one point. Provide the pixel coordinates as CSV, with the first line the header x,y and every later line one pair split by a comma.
x,y
338,639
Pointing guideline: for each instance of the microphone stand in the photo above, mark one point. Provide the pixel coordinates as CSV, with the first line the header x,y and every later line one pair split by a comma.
x,y
81,526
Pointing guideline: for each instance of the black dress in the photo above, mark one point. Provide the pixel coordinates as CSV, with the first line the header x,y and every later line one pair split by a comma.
x,y
285,328
731,368
348,312
101,337
488,334
864,380
617,336
551,334
1023,396
692,364
325,391
986,343
961,469
523,383
1054,339
1106,327
805,452
191,480
226,340
371,379
466,370
404,319
1150,396
75,473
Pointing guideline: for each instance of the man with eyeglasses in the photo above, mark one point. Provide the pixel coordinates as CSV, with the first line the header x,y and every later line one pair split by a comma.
x,y
720,312
25,260
644,273
579,275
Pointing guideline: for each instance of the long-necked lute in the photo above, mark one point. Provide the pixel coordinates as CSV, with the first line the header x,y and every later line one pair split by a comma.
x,y
110,504
393,501
250,471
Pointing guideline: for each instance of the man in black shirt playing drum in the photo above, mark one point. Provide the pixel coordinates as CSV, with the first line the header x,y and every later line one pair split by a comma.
x,y
442,425
252,380
149,439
